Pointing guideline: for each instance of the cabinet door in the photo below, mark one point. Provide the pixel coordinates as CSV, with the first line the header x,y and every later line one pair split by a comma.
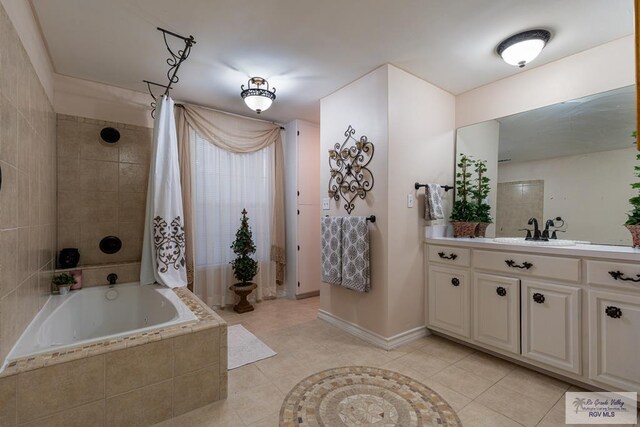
x,y
308,164
309,252
614,347
496,308
551,324
449,300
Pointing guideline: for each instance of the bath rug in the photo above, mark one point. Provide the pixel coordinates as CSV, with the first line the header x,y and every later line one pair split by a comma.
x,y
245,348
360,395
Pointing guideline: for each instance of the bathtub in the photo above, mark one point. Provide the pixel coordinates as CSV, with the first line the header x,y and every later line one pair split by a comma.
x,y
100,314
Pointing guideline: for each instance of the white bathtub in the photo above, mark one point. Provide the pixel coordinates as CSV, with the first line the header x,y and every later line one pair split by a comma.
x,y
99,314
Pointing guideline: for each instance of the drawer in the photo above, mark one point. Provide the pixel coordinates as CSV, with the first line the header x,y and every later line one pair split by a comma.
x,y
449,255
613,273
528,265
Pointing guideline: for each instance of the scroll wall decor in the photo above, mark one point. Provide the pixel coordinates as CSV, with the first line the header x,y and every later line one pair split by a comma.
x,y
350,175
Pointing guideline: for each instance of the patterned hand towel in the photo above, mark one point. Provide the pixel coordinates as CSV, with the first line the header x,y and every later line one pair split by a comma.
x,y
432,203
332,250
356,274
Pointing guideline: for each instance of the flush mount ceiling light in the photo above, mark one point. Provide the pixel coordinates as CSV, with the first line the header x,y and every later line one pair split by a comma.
x,y
522,48
258,99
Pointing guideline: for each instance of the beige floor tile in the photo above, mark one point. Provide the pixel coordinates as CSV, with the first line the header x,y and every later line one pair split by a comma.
x,y
271,420
514,405
219,414
486,366
445,349
251,405
453,398
423,363
534,385
462,381
556,416
476,415
244,378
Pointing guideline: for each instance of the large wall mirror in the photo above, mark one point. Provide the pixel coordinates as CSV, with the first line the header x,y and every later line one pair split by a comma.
x,y
574,160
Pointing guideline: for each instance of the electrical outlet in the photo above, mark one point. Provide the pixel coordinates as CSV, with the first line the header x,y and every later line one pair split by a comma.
x,y
410,200
325,204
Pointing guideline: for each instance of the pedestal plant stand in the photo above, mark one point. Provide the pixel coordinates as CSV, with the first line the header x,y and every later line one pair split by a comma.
x,y
244,267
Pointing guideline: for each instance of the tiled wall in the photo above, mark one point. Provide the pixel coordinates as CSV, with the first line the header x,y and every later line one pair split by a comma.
x,y
517,202
28,193
101,188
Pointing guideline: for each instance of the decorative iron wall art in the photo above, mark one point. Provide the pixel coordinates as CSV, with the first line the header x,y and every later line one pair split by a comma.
x,y
350,175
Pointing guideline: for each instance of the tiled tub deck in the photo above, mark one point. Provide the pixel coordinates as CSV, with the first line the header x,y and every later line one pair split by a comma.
x,y
136,380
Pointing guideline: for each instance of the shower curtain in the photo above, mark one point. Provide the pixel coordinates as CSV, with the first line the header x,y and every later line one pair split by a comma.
x,y
163,247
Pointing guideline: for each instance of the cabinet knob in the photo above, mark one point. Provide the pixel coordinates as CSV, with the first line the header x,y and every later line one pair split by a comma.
x,y
501,291
455,281
539,298
613,312
451,256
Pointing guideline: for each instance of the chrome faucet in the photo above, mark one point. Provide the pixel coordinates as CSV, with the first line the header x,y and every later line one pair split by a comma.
x,y
112,278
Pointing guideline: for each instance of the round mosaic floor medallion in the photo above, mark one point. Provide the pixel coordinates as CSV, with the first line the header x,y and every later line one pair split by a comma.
x,y
362,396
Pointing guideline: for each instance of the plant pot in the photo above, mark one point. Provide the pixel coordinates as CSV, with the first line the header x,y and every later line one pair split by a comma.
x,y
64,289
481,229
635,234
464,229
243,291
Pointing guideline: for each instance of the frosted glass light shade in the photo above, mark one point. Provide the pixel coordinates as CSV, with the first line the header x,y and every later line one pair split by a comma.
x,y
522,48
258,103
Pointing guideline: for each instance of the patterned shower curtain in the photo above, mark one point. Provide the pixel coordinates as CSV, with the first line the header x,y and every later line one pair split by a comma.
x,y
164,248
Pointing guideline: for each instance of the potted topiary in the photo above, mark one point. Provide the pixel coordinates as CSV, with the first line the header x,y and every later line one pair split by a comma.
x,y
63,282
244,267
633,217
480,193
463,212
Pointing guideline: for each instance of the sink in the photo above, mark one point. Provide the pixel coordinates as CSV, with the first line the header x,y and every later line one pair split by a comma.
x,y
522,241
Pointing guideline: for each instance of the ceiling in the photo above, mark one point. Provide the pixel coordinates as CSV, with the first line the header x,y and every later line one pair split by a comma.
x,y
594,123
308,49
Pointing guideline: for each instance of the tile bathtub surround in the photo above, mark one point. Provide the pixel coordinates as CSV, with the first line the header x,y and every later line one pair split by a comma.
x,y
145,381
28,193
101,188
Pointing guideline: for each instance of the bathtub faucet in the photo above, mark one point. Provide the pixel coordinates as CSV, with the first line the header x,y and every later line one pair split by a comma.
x,y
112,278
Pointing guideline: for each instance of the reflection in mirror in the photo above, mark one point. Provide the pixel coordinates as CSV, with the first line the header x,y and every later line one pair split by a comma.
x,y
574,159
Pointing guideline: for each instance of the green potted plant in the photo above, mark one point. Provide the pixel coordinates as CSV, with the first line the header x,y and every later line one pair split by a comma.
x,y
480,193
463,213
244,266
633,217
63,282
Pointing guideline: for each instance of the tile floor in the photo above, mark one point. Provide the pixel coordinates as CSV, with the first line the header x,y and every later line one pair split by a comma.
x,y
484,390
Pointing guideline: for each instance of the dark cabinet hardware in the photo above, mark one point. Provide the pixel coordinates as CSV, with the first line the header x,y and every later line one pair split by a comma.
x,y
455,281
619,275
298,247
501,291
298,211
298,284
298,193
511,263
451,256
613,312
417,186
538,297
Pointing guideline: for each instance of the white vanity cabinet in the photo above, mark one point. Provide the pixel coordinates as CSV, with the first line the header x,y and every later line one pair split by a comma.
x,y
573,311
496,311
551,324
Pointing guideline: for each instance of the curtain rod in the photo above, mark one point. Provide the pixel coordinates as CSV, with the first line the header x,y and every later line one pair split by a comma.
x,y
181,105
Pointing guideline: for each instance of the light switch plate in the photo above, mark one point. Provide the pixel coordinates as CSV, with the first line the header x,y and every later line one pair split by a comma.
x,y
325,203
410,200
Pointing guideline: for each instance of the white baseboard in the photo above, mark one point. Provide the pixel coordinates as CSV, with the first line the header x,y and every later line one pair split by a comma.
x,y
373,337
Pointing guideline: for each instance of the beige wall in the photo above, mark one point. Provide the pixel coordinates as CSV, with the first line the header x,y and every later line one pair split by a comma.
x,y
605,67
589,191
27,196
101,188
362,104
411,123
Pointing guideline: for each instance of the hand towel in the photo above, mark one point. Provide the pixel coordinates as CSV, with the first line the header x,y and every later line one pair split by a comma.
x,y
432,203
331,250
355,254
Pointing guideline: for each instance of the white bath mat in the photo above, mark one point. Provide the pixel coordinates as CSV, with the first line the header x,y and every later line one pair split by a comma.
x,y
245,348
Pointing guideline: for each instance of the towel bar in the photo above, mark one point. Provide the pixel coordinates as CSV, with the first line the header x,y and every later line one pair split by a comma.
x,y
370,218
444,187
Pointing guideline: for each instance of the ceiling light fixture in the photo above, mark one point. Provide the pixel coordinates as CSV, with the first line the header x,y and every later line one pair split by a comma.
x,y
522,48
258,99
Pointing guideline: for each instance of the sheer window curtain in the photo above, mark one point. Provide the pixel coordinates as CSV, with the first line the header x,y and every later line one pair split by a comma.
x,y
224,184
